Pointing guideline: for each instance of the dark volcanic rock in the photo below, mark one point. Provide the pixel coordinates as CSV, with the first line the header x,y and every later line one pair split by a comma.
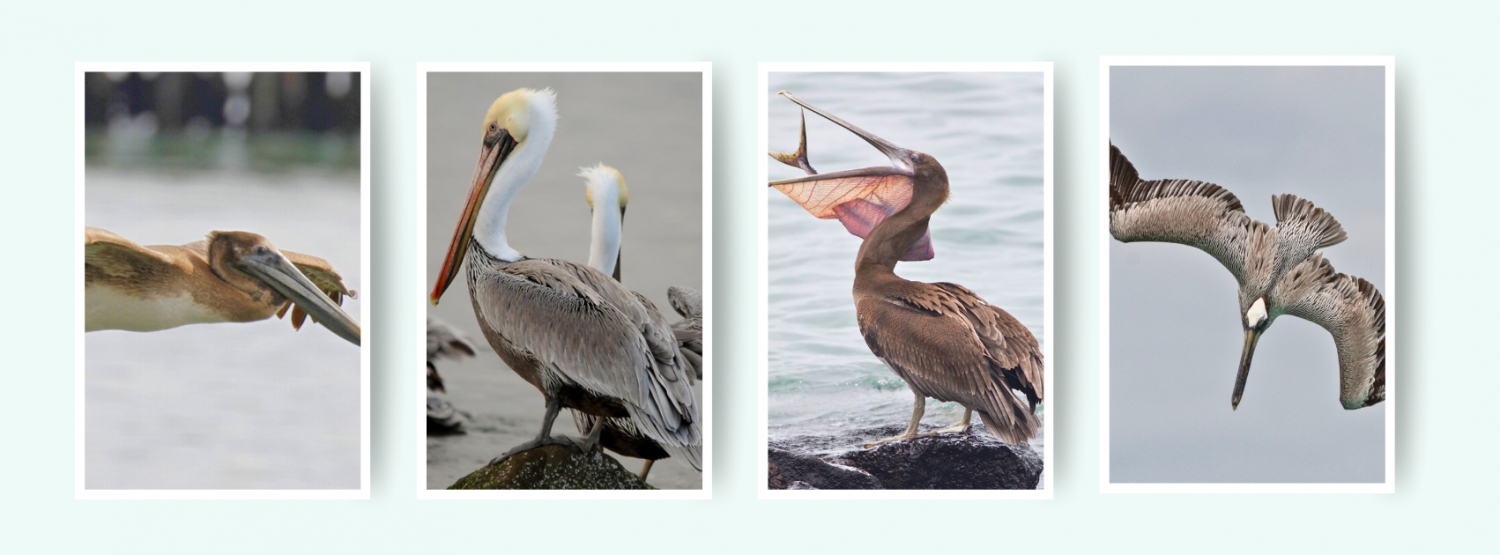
x,y
553,467
975,460
790,470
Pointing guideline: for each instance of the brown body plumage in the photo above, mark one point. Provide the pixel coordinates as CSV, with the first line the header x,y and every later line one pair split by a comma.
x,y
233,276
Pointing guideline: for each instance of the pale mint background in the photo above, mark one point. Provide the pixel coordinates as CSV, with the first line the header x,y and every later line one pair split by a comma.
x,y
1446,115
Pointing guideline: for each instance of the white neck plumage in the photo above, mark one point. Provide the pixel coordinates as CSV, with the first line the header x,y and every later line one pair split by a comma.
x,y
489,229
604,246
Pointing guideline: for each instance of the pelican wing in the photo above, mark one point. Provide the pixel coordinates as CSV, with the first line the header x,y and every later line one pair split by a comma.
x,y
595,334
860,199
689,330
1194,213
1302,229
1353,311
121,262
949,344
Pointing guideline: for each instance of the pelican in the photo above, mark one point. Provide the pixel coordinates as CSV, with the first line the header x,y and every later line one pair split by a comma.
x,y
1277,267
232,276
942,339
577,335
444,342
607,184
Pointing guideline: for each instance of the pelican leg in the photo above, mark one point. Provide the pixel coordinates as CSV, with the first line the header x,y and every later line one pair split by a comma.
x,y
646,469
554,406
917,409
961,427
592,441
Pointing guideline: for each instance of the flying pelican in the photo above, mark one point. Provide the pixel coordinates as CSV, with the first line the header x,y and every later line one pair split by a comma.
x,y
1278,269
620,434
444,342
581,338
232,276
941,338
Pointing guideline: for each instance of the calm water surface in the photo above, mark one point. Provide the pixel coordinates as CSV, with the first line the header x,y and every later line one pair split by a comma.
x,y
987,131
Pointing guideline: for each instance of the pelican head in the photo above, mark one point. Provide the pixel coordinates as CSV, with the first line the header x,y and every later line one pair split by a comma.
x,y
514,136
1255,322
252,264
605,191
862,198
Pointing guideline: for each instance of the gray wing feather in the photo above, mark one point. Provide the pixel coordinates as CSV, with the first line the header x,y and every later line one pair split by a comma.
x,y
594,332
1194,213
1353,311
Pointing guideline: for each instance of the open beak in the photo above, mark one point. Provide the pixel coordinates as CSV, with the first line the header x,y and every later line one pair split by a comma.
x,y
1252,336
280,274
497,147
859,198
900,157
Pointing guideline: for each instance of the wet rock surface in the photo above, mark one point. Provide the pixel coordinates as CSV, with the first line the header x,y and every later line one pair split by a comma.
x,y
553,467
790,470
974,460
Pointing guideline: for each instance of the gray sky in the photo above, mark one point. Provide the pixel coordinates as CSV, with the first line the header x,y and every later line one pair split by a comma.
x,y
1175,336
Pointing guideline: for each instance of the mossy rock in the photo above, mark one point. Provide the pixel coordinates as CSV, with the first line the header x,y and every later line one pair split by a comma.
x,y
553,467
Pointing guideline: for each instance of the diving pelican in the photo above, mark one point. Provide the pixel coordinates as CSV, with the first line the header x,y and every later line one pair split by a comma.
x,y
608,185
577,335
232,276
942,339
1278,269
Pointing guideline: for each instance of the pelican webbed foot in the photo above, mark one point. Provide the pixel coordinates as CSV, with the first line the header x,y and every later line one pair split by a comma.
x,y
579,444
961,427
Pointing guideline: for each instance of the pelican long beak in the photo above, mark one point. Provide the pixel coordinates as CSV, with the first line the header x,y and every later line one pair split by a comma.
x,y
858,198
900,157
619,253
1252,336
280,274
497,147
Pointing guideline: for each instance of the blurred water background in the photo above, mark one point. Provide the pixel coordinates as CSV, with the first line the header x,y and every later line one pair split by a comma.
x,y
169,158
986,129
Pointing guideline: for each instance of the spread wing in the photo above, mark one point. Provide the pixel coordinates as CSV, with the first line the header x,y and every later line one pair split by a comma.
x,y
1302,229
594,333
949,344
119,262
1194,213
1353,311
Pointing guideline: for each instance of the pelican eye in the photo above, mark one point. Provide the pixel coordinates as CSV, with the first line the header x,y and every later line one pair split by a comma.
x,y
262,250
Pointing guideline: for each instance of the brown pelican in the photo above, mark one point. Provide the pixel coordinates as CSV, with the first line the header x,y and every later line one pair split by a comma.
x,y
941,338
608,185
233,276
573,332
444,342
1278,269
